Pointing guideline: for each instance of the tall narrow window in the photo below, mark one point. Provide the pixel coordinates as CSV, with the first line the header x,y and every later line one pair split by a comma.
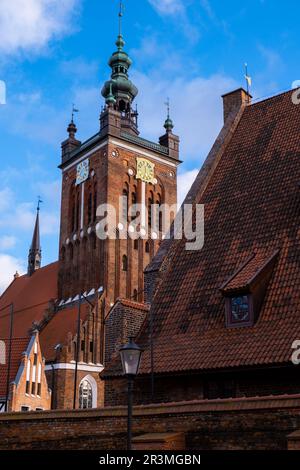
x,y
147,247
136,244
125,204
39,388
150,203
134,202
95,203
135,295
85,395
124,263
28,377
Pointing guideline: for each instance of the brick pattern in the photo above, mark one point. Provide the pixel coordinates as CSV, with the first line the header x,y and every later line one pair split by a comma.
x,y
234,424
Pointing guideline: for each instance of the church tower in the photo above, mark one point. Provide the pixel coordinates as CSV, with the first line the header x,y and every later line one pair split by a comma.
x,y
116,167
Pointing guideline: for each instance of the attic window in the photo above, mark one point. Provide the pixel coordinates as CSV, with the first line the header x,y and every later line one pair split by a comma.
x,y
245,290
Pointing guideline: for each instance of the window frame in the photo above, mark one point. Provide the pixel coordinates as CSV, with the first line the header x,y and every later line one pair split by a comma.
x,y
230,322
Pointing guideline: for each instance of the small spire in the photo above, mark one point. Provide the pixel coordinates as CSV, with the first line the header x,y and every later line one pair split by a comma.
x,y
110,100
35,252
72,129
169,126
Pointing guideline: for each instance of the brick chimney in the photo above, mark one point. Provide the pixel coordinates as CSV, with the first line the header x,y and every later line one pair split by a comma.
x,y
233,101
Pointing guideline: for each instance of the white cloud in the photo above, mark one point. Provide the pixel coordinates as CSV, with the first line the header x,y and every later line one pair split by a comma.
x,y
31,24
7,242
8,267
167,7
196,109
184,183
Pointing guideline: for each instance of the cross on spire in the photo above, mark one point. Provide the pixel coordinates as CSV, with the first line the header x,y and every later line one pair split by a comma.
x,y
167,103
121,13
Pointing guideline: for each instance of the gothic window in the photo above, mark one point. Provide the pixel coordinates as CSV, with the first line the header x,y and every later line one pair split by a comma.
x,y
147,247
124,263
136,244
125,203
85,395
95,203
135,295
73,216
90,208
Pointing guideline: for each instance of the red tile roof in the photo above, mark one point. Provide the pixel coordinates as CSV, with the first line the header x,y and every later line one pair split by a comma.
x,y
252,204
30,296
18,347
56,331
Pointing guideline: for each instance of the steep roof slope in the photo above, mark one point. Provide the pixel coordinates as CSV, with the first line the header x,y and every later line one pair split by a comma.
x,y
18,347
30,296
252,207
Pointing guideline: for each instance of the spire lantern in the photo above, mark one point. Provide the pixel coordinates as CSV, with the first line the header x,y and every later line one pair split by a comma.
x,y
169,126
119,92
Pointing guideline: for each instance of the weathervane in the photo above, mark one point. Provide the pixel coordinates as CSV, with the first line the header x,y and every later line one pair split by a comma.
x,y
39,202
74,110
167,103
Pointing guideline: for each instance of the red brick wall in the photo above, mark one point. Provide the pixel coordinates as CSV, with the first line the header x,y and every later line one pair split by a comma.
x,y
239,424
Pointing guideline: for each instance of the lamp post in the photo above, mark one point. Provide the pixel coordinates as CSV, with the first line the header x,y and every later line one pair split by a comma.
x,y
131,357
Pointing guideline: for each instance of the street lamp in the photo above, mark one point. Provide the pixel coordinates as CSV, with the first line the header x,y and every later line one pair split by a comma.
x,y
131,358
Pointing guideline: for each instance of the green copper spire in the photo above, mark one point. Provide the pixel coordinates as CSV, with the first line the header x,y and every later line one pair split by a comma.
x,y
169,126
110,100
122,89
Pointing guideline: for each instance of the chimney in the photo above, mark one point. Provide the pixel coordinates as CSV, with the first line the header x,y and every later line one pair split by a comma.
x,y
233,101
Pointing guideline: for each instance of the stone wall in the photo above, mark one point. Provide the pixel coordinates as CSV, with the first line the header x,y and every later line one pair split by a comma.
x,y
238,424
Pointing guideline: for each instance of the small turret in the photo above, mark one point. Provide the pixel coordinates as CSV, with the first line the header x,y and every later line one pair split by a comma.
x,y
35,252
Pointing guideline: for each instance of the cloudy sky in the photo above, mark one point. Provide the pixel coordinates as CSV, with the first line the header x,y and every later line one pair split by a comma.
x,y
54,53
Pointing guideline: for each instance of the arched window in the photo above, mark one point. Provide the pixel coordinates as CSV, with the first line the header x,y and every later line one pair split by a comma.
x,y
85,395
159,213
136,244
135,295
124,263
147,247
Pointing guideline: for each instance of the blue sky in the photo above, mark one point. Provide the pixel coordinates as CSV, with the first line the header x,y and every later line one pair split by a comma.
x,y
54,53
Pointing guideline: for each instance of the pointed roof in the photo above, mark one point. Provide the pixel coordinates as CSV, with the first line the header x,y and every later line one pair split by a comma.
x,y
35,252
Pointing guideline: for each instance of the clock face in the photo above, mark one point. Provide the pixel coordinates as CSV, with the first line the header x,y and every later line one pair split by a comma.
x,y
240,308
144,170
82,172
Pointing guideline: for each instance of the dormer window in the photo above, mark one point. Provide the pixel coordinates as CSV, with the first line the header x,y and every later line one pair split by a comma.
x,y
245,290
